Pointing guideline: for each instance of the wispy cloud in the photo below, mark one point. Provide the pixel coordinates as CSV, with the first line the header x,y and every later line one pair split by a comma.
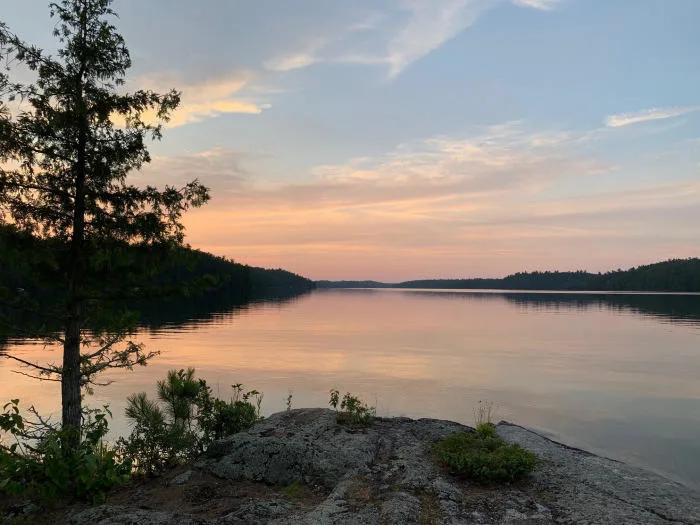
x,y
309,55
545,5
431,24
203,100
292,62
395,38
500,160
212,99
627,119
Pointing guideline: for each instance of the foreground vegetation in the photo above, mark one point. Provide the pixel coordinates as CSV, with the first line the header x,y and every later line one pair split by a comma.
x,y
351,410
183,423
180,425
482,456
42,463
176,428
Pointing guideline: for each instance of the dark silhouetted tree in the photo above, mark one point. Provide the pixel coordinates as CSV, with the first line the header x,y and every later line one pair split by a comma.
x,y
64,163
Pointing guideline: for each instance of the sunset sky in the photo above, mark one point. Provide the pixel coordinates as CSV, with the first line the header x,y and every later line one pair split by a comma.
x,y
402,139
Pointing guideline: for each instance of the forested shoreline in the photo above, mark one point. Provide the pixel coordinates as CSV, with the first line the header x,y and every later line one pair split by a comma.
x,y
168,284
675,275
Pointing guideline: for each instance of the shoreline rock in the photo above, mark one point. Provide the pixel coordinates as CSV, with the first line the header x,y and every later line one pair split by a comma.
x,y
385,475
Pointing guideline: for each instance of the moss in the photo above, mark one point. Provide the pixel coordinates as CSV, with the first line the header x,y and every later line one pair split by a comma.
x,y
293,491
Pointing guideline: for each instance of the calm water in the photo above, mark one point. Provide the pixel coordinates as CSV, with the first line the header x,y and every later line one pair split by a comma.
x,y
615,374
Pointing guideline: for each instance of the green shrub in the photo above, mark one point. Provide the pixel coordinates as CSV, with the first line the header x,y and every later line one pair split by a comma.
x,y
87,473
49,471
484,457
486,430
218,418
154,443
185,422
352,411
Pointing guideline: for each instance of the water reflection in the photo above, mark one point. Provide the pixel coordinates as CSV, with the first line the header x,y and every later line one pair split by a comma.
x,y
608,372
204,309
674,307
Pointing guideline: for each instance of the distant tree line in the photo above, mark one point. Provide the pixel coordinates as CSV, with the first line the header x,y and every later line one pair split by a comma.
x,y
352,284
519,281
676,275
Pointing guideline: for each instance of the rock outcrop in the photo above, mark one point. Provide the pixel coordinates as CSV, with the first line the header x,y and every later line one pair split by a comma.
x,y
385,475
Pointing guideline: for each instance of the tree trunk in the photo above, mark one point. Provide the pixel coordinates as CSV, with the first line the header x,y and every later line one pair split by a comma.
x,y
71,376
71,401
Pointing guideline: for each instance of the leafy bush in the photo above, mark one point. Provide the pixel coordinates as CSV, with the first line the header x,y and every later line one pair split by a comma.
x,y
218,418
50,470
353,410
188,419
484,457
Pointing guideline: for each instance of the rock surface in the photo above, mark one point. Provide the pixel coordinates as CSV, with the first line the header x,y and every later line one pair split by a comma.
x,y
384,475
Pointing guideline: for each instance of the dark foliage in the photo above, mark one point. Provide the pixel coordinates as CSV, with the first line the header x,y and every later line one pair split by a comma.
x,y
49,470
519,281
676,275
160,287
184,422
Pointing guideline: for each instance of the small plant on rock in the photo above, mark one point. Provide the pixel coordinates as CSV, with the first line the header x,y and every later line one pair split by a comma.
x,y
352,410
482,456
185,422
218,418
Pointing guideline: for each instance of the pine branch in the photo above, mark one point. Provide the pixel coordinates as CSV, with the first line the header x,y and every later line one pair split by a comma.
x,y
39,377
44,370
105,347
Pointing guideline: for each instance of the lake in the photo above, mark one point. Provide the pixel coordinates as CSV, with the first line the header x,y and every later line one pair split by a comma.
x,y
617,374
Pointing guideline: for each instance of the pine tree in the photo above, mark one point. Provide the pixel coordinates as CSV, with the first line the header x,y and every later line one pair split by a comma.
x,y
64,167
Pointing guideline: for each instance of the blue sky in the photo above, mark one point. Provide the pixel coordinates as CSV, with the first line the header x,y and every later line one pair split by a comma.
x,y
397,139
